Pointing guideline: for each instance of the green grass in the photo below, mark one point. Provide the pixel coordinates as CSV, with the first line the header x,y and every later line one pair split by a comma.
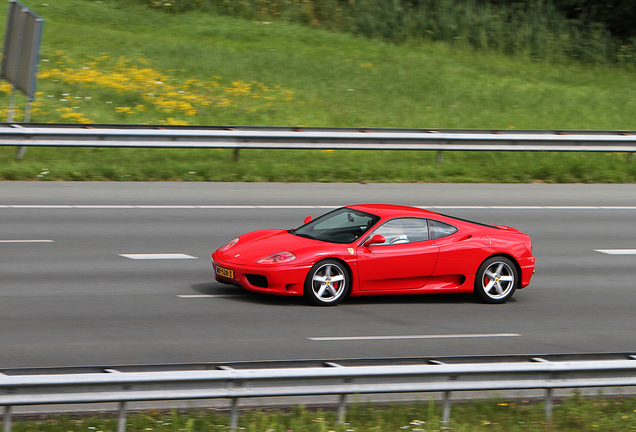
x,y
314,166
533,28
573,414
334,79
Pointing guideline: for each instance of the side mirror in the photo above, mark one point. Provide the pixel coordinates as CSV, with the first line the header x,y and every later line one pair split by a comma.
x,y
308,219
376,239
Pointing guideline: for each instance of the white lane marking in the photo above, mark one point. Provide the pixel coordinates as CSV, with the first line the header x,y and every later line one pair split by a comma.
x,y
208,295
27,241
573,207
221,207
300,207
151,207
40,206
617,251
292,207
516,207
163,207
157,256
449,336
456,207
104,206
531,207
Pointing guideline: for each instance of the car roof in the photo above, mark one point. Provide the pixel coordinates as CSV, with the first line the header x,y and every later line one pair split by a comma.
x,y
389,211
392,210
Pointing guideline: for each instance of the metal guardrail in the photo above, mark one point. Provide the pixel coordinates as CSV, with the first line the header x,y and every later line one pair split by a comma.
x,y
317,363
236,137
333,378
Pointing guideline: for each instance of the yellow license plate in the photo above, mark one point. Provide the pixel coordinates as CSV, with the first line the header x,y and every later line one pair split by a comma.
x,y
225,272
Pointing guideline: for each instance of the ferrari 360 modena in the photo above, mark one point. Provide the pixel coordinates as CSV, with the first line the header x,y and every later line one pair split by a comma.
x,y
374,249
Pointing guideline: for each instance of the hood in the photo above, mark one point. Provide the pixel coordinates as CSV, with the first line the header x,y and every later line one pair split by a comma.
x,y
259,244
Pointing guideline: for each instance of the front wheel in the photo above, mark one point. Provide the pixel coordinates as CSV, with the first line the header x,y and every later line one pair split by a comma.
x,y
496,280
327,283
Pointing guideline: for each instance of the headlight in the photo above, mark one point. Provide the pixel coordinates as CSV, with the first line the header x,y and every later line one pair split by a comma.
x,y
229,244
279,257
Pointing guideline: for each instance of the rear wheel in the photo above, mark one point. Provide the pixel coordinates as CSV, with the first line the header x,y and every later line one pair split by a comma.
x,y
496,280
327,283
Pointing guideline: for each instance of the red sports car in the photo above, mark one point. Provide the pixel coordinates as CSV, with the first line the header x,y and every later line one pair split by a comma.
x,y
379,249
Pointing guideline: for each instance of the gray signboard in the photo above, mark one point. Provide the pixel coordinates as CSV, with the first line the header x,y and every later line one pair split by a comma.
x,y
21,51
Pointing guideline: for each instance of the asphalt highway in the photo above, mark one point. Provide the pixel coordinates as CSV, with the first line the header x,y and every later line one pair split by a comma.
x,y
70,294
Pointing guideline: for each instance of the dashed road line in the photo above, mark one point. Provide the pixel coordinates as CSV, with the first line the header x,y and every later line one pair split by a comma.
x,y
37,206
299,207
103,206
448,336
165,207
617,251
27,241
147,256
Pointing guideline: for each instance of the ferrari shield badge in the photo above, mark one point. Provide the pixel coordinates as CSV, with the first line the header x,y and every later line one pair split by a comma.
x,y
351,251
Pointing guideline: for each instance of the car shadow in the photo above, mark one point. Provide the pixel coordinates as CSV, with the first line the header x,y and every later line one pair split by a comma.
x,y
238,294
413,298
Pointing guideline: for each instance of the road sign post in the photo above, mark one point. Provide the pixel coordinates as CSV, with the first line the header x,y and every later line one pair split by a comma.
x,y
20,56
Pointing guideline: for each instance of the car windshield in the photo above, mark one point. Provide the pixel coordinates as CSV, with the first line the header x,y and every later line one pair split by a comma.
x,y
343,225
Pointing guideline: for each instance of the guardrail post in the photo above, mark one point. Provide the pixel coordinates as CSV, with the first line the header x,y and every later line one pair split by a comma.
x,y
342,408
20,153
6,424
446,408
548,405
234,414
121,417
440,157
236,155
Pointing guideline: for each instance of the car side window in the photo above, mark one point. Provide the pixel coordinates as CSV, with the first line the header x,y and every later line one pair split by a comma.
x,y
439,229
403,230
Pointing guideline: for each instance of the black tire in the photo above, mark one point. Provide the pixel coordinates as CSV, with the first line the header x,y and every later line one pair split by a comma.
x,y
496,280
327,283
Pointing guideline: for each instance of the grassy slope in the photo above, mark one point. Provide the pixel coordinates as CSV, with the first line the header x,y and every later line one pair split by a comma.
x,y
337,80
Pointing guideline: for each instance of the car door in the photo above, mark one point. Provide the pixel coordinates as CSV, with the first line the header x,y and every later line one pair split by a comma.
x,y
404,261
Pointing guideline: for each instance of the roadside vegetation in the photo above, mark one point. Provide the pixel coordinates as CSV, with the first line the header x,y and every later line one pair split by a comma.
x,y
590,31
112,61
575,414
